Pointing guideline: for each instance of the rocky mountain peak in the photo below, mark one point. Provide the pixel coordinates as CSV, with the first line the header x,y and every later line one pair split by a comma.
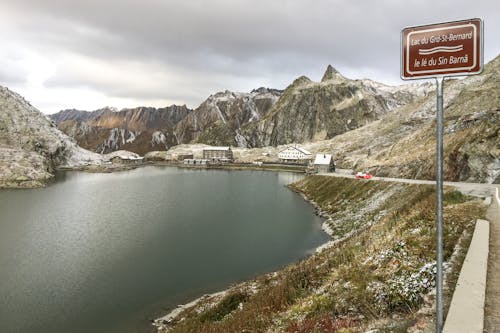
x,y
264,90
260,90
301,81
331,74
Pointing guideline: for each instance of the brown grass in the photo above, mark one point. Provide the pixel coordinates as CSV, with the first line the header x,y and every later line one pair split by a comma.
x,y
364,278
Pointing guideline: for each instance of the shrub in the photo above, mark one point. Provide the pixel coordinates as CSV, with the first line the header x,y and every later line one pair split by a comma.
x,y
227,305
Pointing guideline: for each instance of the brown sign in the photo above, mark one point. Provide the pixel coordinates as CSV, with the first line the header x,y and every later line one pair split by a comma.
x,y
444,49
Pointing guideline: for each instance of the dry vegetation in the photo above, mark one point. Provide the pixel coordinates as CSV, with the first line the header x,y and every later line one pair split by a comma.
x,y
378,272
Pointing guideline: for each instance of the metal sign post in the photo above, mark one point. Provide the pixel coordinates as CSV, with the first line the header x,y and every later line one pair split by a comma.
x,y
438,51
439,205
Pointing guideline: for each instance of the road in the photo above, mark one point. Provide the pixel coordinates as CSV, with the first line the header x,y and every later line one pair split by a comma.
x,y
491,191
492,308
475,189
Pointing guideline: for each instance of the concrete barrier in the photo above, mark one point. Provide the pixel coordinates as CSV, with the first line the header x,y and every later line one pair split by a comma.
x,y
496,195
466,313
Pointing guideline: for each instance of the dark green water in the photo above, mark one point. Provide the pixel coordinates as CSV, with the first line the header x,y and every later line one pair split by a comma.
x,y
105,253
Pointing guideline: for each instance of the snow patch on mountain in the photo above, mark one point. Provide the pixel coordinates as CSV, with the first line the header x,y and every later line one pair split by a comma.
x,y
158,138
118,137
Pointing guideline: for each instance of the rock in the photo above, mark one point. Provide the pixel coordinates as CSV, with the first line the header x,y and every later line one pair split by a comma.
x,y
139,129
331,74
31,148
311,111
218,119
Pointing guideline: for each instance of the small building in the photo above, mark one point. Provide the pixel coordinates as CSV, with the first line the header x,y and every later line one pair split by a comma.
x,y
323,163
125,159
219,154
294,154
194,161
183,156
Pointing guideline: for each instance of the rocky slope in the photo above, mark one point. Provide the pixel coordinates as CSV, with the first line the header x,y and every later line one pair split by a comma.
x,y
305,111
311,111
31,146
74,114
217,121
402,143
139,129
366,125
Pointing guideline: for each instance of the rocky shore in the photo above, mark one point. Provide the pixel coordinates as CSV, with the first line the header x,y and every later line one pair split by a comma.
x,y
400,273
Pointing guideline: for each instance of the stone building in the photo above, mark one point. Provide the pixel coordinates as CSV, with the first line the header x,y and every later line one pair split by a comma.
x,y
323,163
221,154
294,154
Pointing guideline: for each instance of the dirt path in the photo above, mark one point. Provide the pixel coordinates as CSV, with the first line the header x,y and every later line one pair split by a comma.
x,y
492,308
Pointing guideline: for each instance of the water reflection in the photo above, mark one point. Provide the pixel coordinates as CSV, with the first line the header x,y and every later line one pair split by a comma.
x,y
102,252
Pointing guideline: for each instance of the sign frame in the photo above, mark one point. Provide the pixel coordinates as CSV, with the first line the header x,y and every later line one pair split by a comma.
x,y
447,72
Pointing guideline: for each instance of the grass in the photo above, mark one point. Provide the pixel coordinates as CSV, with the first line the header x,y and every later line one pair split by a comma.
x,y
383,264
227,305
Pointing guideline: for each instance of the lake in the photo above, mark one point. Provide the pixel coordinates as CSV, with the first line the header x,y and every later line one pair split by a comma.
x,y
106,253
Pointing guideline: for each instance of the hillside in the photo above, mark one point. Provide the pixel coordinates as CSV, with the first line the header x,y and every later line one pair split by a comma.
x,y
311,111
218,120
139,129
306,111
31,147
364,124
377,273
402,143
74,114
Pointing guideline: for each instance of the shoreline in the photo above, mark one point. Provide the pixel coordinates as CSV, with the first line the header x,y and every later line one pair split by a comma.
x,y
161,323
168,321
29,183
205,302
164,323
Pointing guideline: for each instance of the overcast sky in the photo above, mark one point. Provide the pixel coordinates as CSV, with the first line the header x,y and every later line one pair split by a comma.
x,y
88,54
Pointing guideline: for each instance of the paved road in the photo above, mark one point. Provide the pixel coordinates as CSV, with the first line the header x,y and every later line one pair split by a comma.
x,y
492,302
475,189
492,308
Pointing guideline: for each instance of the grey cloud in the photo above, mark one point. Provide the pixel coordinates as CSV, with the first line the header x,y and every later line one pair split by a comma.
x,y
270,41
8,77
11,72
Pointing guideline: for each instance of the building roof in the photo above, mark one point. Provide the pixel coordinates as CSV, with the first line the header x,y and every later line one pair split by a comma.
x,y
217,148
128,157
302,150
323,159
124,157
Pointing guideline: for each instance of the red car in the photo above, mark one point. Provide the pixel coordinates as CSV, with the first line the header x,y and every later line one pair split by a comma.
x,y
363,175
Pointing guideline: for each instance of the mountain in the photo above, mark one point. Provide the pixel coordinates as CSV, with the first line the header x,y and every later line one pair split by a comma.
x,y
311,111
365,125
305,111
218,119
31,146
402,143
139,129
78,115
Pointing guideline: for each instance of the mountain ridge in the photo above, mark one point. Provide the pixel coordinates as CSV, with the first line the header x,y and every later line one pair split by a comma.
x,y
364,124
140,129
311,111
